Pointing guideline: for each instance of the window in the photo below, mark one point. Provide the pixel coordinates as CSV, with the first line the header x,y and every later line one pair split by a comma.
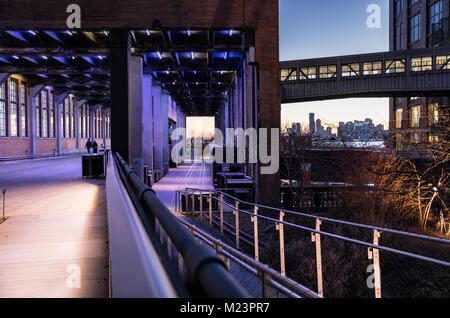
x,y
3,125
443,62
398,118
38,115
421,64
66,118
395,66
88,121
372,68
415,138
398,36
14,107
414,115
433,114
350,70
414,28
51,107
398,6
23,110
398,142
411,2
433,138
74,117
289,75
44,108
327,71
308,73
435,17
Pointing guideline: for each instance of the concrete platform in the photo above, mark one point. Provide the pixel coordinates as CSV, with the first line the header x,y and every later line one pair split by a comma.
x,y
57,228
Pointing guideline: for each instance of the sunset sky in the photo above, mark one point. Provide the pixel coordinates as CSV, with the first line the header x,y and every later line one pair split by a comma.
x,y
320,28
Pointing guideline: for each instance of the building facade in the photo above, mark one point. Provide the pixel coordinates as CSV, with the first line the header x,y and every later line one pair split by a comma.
x,y
35,122
416,24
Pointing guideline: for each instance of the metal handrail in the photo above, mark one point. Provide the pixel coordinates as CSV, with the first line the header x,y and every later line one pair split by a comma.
x,y
373,248
205,270
254,266
369,227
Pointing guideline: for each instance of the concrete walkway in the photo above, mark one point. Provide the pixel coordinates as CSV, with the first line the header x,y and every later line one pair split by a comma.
x,y
192,174
54,243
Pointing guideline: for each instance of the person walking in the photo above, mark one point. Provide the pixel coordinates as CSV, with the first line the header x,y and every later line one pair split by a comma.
x,y
95,146
88,146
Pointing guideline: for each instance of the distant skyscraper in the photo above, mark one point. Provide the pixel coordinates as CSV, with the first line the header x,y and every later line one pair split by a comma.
x,y
312,123
297,128
319,127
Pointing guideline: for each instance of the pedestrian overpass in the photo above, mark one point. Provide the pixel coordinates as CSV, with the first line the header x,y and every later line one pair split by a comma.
x,y
420,72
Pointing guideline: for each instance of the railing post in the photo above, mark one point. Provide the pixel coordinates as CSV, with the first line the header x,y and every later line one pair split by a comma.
x,y
201,206
169,247
221,214
193,203
254,219
186,198
267,291
316,239
374,254
210,209
236,214
280,228
180,263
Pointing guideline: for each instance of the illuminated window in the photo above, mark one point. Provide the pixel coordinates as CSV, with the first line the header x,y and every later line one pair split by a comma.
x,y
23,110
395,66
51,107
38,115
414,28
288,74
66,118
327,71
3,125
398,142
414,114
421,64
398,118
14,107
443,62
308,73
433,138
415,138
74,117
372,68
350,70
433,114
44,108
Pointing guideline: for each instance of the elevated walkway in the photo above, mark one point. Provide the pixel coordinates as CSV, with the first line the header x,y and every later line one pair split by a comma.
x,y
421,72
56,228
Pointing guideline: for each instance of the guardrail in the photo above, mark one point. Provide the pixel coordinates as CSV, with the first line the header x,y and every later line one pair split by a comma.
x,y
235,205
206,273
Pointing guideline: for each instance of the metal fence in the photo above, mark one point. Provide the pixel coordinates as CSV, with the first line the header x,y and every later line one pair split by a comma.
x,y
337,258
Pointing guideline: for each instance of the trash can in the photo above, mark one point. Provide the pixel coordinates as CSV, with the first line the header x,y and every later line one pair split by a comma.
x,y
93,166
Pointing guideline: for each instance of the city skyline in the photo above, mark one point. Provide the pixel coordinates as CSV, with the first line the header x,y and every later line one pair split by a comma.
x,y
350,35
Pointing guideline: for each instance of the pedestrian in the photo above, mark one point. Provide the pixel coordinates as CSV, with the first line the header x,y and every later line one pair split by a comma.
x,y
88,146
95,146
